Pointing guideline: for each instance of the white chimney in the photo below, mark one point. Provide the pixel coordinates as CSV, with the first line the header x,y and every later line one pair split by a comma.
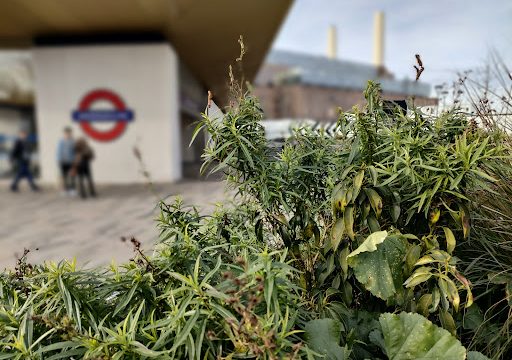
x,y
378,39
332,43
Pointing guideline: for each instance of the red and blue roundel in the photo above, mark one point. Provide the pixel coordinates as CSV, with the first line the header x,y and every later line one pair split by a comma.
x,y
120,115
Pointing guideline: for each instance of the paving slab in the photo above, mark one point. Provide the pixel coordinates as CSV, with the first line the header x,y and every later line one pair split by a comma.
x,y
90,230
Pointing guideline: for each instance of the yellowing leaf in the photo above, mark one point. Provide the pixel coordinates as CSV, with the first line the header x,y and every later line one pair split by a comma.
x,y
419,276
449,289
469,298
348,218
450,240
340,199
374,175
337,232
464,219
358,182
417,279
343,260
375,201
425,260
434,216
370,244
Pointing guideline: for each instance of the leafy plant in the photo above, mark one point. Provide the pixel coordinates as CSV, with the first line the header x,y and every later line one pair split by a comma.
x,y
327,238
377,263
411,336
323,336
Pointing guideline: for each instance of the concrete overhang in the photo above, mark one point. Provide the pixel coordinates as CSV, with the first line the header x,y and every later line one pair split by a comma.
x,y
204,32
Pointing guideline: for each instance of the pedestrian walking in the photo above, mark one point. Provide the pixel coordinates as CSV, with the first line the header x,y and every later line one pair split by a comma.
x,y
20,157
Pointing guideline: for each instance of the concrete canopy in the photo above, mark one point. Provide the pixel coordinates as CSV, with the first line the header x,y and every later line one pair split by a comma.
x,y
204,32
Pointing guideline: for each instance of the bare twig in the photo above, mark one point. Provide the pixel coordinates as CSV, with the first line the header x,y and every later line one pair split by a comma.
x,y
420,68
137,249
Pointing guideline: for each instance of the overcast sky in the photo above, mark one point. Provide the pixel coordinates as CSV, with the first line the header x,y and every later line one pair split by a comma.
x,y
450,35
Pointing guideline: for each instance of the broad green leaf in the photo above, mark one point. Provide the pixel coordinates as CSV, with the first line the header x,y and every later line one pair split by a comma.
x,y
409,336
447,321
423,304
378,263
373,223
412,256
323,336
473,318
476,355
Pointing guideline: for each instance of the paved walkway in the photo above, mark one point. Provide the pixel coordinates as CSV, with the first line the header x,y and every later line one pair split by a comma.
x,y
63,227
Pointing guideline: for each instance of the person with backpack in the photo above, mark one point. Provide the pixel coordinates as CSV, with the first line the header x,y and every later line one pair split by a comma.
x,y
82,167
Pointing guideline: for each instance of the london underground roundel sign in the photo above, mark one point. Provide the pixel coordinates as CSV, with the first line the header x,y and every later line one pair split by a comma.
x,y
118,114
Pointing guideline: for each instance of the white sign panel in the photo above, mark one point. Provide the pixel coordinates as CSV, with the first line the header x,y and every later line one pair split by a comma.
x,y
117,97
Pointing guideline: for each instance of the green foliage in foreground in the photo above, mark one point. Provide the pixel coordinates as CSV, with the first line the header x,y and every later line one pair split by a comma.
x,y
379,243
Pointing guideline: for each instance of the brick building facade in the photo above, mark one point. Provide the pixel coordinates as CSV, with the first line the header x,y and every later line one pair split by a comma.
x,y
294,85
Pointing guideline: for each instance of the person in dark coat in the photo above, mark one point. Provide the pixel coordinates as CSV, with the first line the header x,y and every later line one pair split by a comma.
x,y
20,157
82,167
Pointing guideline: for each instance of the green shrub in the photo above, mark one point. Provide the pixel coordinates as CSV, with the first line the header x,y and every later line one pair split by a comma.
x,y
326,240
